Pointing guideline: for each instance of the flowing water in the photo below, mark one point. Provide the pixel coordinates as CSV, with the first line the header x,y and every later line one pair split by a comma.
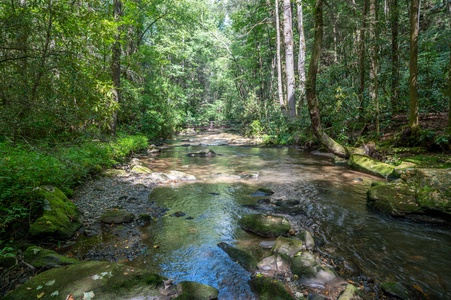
x,y
326,199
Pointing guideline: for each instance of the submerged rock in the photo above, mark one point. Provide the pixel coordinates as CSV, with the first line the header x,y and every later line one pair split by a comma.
x,y
202,153
60,218
269,289
244,259
265,225
401,291
190,290
117,217
262,192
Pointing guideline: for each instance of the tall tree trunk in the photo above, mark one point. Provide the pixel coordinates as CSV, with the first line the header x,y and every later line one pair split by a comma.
x,y
394,20
301,55
116,65
449,82
413,65
279,61
362,68
289,57
373,87
312,97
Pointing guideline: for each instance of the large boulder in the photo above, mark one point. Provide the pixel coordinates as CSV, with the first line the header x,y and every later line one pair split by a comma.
x,y
265,225
60,218
287,246
366,164
104,280
419,192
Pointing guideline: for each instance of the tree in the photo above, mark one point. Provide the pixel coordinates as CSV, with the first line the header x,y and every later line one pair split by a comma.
x,y
289,57
361,88
116,63
279,61
312,97
394,20
301,55
413,66
374,86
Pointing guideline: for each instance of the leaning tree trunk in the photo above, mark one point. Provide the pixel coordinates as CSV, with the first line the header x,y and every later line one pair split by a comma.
x,y
312,98
413,66
301,55
279,62
289,57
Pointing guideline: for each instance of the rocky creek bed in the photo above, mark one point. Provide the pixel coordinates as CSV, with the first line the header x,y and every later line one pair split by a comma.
x,y
290,263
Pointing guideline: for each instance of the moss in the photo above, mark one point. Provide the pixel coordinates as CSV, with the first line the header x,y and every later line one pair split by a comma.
x,y
43,258
60,219
368,165
244,259
190,290
394,199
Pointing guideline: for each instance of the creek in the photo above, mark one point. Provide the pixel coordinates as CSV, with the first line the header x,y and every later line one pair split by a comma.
x,y
315,194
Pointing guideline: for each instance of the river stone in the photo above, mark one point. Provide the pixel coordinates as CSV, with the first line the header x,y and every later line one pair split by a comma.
x,y
117,217
366,164
262,192
350,293
177,175
244,259
269,289
44,258
60,218
309,242
203,153
267,226
305,265
106,280
287,246
139,169
191,290
274,265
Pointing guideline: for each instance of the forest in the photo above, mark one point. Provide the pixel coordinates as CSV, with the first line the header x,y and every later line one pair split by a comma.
x,y
85,83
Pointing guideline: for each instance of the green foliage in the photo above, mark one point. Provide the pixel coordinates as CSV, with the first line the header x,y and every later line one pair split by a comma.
x,y
24,167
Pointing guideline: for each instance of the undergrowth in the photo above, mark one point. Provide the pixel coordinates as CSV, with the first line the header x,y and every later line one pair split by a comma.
x,y
25,166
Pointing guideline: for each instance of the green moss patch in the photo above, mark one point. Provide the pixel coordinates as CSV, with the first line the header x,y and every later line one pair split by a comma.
x,y
265,225
371,166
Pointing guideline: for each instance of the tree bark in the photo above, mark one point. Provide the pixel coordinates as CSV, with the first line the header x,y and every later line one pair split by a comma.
x,y
289,57
279,61
312,97
449,83
116,65
394,21
373,87
301,55
413,66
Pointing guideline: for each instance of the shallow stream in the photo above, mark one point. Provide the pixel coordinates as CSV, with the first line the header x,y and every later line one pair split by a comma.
x,y
327,200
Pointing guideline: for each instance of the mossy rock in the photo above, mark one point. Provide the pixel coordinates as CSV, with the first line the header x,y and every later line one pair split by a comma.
x,y
395,199
44,258
60,219
269,289
287,246
105,279
305,265
350,293
190,290
366,164
138,169
244,259
265,225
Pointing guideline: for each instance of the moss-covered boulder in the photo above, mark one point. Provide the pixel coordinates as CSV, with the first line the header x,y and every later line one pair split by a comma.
x,y
105,280
366,164
287,246
419,192
305,265
44,258
117,217
244,259
139,169
189,290
401,291
265,225
396,199
60,218
269,289
350,293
